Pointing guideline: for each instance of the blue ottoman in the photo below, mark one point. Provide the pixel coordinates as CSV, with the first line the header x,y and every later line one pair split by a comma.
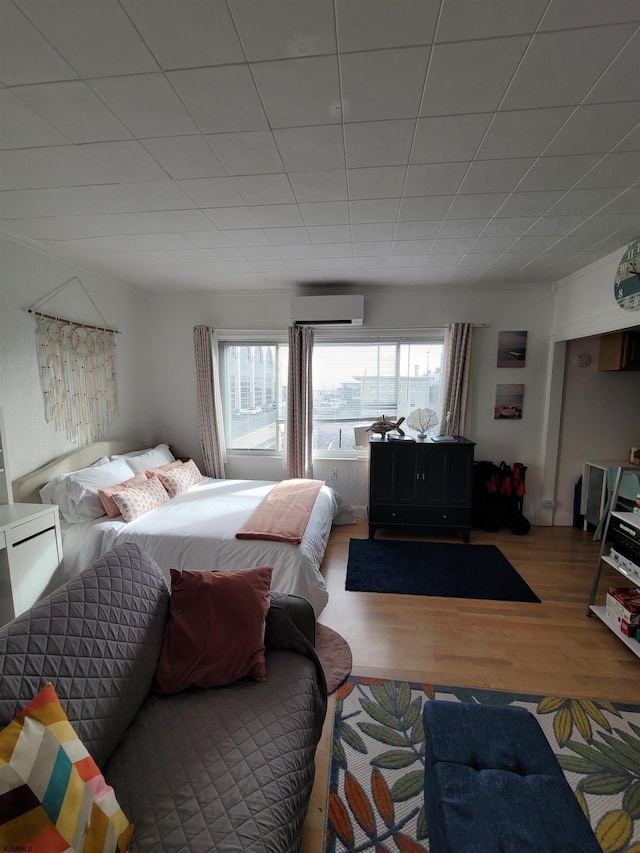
x,y
492,783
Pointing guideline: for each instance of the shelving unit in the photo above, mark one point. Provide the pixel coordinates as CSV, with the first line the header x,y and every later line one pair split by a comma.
x,y
634,521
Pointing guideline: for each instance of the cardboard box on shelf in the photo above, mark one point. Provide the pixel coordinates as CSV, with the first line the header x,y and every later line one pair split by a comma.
x,y
623,607
634,456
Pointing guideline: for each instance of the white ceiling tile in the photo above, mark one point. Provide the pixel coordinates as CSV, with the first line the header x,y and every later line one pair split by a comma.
x,y
522,133
185,157
207,256
365,262
325,213
567,14
613,170
475,205
411,247
299,91
631,141
617,84
557,173
417,230
249,153
22,127
284,28
579,201
265,189
380,182
138,259
513,227
305,149
533,243
322,185
470,77
287,236
131,243
68,201
461,227
75,110
441,139
334,250
210,239
385,84
145,103
232,217
266,265
68,165
559,68
495,175
451,246
379,143
372,249
95,36
553,225
186,35
25,55
161,195
329,233
260,253
377,231
468,19
528,204
596,128
406,261
221,100
491,245
424,207
375,210
370,24
441,261
626,202
212,192
76,227
278,215
435,179
290,251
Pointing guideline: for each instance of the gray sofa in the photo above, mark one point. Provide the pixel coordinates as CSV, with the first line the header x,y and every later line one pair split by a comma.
x,y
217,769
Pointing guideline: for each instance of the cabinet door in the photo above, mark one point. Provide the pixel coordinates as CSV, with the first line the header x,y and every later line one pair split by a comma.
x,y
433,474
394,473
459,476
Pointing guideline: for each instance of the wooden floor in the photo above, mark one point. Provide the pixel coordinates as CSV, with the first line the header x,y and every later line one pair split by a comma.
x,y
548,648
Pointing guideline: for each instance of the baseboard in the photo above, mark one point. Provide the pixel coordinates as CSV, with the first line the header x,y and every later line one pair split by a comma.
x,y
360,513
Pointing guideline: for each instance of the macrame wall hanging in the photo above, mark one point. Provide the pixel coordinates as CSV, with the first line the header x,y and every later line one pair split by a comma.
x,y
77,373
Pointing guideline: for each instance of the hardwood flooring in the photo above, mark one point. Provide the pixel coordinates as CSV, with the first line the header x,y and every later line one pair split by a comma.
x,y
548,648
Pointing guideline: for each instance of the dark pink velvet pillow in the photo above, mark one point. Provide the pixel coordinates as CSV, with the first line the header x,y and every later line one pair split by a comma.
x,y
215,633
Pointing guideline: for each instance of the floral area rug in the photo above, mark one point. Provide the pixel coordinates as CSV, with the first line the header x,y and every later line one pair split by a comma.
x,y
375,800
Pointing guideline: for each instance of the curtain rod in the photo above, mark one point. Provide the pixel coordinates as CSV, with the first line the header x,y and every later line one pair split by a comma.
x,y
72,322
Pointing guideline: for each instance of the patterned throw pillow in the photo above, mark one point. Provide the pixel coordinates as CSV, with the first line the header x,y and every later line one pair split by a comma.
x,y
54,798
105,495
178,479
136,500
153,472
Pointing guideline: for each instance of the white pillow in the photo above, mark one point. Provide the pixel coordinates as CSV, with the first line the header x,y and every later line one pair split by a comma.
x,y
152,458
76,494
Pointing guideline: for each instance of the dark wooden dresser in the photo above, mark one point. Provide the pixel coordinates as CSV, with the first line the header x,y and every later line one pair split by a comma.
x,y
420,483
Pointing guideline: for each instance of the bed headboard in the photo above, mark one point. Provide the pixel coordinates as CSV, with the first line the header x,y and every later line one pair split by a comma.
x,y
27,489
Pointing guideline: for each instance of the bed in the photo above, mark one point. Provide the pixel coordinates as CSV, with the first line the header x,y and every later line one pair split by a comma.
x,y
196,529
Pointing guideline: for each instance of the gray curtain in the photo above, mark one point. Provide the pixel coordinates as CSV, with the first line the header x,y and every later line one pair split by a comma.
x,y
208,396
456,378
300,403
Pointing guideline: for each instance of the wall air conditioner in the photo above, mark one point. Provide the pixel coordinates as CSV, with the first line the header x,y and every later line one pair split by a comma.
x,y
327,310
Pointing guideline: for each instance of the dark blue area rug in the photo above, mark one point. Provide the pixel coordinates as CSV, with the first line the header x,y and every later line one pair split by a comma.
x,y
434,568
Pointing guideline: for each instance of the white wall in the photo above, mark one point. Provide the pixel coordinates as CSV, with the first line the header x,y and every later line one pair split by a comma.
x,y
600,409
523,308
28,276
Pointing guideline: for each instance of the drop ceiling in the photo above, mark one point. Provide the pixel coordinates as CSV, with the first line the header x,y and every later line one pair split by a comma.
x,y
273,144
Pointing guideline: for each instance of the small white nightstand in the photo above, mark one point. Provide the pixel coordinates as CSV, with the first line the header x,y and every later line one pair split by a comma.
x,y
30,556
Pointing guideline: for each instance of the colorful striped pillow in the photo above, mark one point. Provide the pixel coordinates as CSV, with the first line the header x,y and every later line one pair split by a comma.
x,y
53,798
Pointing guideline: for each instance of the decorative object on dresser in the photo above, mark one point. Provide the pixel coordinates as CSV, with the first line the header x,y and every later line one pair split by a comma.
x,y
385,425
422,420
421,484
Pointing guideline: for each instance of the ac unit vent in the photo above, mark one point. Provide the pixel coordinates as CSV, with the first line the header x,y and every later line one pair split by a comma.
x,y
327,310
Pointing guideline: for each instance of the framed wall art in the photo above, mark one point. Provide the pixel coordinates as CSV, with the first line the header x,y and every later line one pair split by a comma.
x,y
512,349
508,404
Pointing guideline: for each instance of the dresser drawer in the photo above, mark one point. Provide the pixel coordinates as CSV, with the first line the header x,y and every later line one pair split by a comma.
x,y
27,529
434,516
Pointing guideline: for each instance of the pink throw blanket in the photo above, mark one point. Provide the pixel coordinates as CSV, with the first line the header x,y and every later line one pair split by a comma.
x,y
283,515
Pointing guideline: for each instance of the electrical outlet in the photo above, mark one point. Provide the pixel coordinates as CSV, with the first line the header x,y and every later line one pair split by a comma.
x,y
333,475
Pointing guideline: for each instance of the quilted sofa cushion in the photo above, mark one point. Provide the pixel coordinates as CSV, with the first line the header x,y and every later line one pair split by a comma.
x,y
98,639
223,768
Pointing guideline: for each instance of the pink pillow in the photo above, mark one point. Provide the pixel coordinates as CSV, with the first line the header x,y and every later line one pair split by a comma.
x,y
153,472
106,499
136,500
179,479
215,633
191,466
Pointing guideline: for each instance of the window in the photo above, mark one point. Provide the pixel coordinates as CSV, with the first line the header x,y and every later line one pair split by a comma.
x,y
253,379
356,383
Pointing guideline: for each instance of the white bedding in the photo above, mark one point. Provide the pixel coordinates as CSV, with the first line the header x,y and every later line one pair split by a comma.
x,y
196,530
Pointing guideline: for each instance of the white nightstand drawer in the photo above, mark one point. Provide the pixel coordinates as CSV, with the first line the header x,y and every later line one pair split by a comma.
x,y
20,532
3,540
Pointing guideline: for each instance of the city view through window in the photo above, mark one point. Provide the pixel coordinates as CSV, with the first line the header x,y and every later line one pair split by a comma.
x,y
353,385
